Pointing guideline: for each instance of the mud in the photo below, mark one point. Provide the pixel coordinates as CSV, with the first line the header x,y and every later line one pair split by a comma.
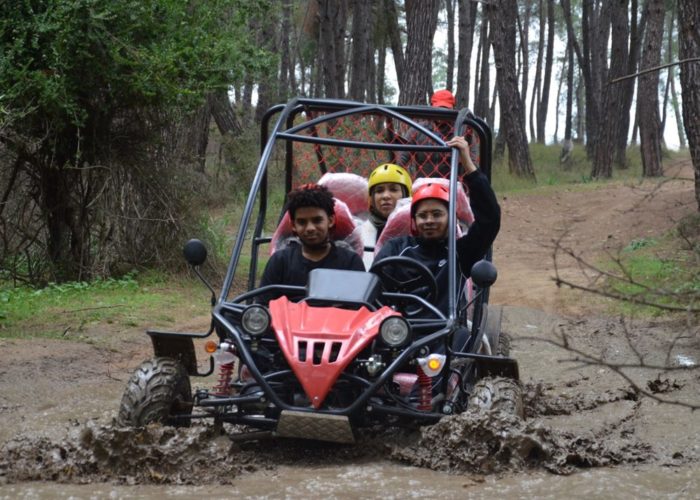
x,y
596,393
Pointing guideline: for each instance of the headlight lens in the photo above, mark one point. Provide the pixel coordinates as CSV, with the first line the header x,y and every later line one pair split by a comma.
x,y
395,331
255,320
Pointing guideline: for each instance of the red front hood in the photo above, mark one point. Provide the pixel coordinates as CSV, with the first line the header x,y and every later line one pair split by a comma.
x,y
340,334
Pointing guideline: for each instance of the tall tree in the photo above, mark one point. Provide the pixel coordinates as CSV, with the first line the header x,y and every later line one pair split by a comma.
x,y
362,51
612,94
672,53
467,21
637,28
502,17
543,105
538,70
332,18
568,144
648,92
450,6
267,87
689,27
286,63
394,34
583,57
421,23
481,84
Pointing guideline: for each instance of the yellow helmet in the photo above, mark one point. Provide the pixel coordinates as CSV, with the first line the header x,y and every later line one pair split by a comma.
x,y
388,172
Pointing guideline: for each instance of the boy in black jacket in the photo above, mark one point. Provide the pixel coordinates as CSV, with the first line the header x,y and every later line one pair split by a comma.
x,y
311,209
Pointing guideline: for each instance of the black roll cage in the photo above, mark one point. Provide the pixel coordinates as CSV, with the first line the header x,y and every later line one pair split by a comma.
x,y
284,129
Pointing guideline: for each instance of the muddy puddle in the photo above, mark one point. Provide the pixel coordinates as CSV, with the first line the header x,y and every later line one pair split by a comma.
x,y
459,452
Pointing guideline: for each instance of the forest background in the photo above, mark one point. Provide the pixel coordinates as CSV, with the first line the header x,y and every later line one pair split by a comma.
x,y
108,108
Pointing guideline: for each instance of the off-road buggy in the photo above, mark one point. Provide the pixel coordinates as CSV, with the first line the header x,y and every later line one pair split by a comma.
x,y
351,349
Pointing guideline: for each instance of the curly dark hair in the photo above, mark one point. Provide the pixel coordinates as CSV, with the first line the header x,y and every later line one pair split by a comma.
x,y
310,195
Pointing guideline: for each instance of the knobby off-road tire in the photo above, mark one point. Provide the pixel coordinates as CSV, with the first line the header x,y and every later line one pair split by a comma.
x,y
158,389
503,395
498,341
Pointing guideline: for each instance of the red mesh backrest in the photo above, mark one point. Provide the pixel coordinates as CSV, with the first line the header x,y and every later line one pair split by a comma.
x,y
312,160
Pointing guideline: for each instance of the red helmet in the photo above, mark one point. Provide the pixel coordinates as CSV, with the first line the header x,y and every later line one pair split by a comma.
x,y
431,190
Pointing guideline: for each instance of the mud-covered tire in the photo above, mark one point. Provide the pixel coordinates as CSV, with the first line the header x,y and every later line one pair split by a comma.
x,y
498,341
503,395
503,347
158,389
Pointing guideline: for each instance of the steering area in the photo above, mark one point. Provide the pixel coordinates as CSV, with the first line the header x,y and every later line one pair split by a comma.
x,y
407,276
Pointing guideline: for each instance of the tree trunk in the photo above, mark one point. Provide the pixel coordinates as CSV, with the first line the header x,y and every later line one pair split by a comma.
x,y
584,62
467,21
502,17
524,30
361,52
534,100
332,18
689,28
672,54
381,65
421,23
543,106
604,148
223,114
450,6
267,89
481,105
636,35
392,20
648,92
283,84
677,112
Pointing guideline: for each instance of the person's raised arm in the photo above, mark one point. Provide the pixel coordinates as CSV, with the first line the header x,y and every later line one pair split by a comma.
x,y
487,214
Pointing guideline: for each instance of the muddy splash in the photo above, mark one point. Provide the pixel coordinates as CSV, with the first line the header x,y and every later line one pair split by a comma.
x,y
475,443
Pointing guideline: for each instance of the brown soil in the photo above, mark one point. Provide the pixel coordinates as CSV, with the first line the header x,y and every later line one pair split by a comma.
x,y
58,398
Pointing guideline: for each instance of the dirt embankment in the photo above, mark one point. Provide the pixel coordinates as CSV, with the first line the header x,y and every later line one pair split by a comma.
x,y
57,398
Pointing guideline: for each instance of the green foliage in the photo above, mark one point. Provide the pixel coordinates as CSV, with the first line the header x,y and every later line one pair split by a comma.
x,y
97,115
661,271
69,310
73,59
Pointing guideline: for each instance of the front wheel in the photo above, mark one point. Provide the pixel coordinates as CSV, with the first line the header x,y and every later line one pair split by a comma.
x,y
158,390
498,394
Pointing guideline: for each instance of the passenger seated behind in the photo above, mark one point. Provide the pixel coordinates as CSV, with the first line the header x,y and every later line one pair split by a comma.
x,y
311,211
388,183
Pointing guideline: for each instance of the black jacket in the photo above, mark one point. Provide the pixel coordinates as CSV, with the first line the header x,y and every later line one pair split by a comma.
x,y
470,248
289,266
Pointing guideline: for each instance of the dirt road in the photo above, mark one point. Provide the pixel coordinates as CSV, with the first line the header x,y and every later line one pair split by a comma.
x,y
57,398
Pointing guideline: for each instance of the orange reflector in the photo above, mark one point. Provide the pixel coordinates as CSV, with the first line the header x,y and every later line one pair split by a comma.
x,y
434,364
211,346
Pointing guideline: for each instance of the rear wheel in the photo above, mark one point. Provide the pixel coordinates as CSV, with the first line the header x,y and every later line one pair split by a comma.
x,y
503,395
498,341
158,390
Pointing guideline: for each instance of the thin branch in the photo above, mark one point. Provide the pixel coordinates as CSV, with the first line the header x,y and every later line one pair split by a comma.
x,y
587,359
655,68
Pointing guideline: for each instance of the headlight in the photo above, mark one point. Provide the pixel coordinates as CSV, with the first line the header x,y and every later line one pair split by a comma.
x,y
255,320
395,331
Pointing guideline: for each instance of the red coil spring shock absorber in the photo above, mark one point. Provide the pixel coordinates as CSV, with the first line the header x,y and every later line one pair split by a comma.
x,y
222,387
223,384
425,390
